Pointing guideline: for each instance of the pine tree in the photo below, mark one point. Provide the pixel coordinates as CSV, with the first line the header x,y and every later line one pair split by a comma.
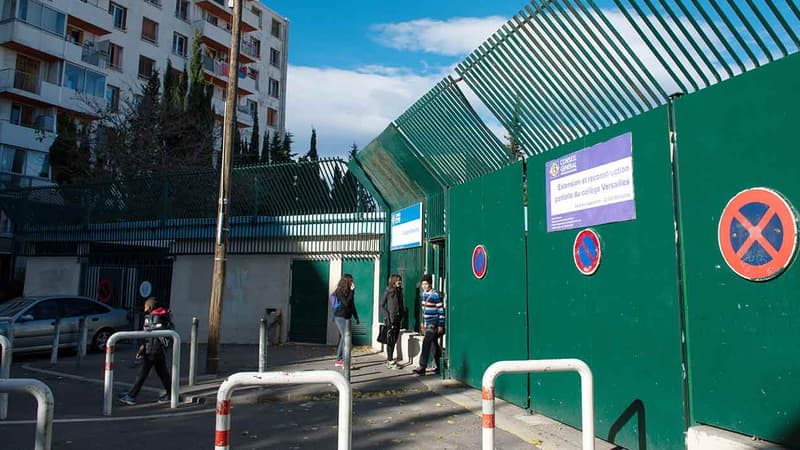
x,y
67,163
275,149
265,149
253,154
312,154
286,149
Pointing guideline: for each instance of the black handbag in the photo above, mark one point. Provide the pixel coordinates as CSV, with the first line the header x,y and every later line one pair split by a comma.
x,y
383,334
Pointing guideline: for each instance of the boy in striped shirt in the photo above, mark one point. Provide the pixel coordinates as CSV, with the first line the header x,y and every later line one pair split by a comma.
x,y
433,323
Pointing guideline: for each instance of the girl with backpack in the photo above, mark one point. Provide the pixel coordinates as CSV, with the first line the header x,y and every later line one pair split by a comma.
x,y
344,311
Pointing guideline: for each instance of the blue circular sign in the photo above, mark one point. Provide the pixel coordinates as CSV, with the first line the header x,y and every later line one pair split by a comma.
x,y
480,262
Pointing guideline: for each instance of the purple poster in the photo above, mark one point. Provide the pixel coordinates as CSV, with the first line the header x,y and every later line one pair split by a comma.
x,y
591,186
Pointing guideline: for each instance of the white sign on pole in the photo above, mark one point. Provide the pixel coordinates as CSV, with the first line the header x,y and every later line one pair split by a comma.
x,y
406,229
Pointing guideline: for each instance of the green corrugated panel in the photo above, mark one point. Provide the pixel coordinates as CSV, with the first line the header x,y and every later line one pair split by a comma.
x,y
744,357
625,320
448,135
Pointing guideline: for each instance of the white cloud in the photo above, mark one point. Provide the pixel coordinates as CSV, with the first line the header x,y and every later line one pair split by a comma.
x,y
453,37
347,106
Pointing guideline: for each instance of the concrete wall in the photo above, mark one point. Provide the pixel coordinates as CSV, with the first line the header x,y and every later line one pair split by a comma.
x,y
52,275
253,283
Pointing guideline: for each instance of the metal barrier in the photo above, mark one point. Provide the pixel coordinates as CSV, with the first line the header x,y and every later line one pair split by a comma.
x,y
262,345
193,351
222,435
348,349
540,365
10,321
56,342
83,336
109,367
44,408
5,372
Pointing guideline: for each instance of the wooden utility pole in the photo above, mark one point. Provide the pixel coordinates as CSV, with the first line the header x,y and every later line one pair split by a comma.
x,y
221,242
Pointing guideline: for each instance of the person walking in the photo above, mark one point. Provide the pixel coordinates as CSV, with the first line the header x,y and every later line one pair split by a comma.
x,y
392,306
433,323
344,311
152,352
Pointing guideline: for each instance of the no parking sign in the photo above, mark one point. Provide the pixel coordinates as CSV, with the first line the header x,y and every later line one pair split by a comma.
x,y
586,251
758,234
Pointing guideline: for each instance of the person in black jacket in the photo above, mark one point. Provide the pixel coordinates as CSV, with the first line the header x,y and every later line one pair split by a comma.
x,y
392,306
152,352
345,292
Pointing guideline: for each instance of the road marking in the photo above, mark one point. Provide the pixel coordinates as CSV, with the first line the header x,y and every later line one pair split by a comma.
x,y
88,380
112,419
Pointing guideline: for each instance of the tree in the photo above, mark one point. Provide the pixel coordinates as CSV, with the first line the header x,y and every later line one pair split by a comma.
x,y
265,149
286,149
69,153
253,154
275,149
312,151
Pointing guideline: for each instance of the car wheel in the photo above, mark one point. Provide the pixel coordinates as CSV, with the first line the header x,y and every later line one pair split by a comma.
x,y
100,338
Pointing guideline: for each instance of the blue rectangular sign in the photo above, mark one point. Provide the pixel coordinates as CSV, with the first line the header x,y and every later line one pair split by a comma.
x,y
406,227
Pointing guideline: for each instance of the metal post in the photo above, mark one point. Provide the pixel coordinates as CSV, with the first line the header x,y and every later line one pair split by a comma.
x,y
221,241
193,351
5,372
109,367
540,365
222,434
83,333
348,348
10,321
44,407
56,342
262,345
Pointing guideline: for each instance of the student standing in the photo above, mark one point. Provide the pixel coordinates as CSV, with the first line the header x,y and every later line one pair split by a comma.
x,y
392,305
344,312
433,323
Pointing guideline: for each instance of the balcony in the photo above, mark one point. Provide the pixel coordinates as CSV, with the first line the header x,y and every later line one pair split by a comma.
x,y
220,8
90,15
18,84
31,135
218,70
243,117
220,39
22,36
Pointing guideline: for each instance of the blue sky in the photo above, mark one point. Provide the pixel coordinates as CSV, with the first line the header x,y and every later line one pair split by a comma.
x,y
355,66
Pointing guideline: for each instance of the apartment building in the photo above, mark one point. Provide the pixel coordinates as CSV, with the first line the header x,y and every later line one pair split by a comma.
x,y
75,56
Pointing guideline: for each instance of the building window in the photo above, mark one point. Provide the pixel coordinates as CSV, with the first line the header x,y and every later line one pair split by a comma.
x,y
274,57
146,67
255,44
112,97
276,28
119,16
257,13
115,57
274,88
179,44
272,117
149,30
156,3
84,81
182,10
41,16
31,117
252,108
12,160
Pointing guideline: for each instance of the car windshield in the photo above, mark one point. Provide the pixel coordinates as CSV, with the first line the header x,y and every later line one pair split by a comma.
x,y
12,307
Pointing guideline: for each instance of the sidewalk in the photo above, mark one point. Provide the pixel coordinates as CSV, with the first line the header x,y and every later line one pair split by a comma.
x,y
393,408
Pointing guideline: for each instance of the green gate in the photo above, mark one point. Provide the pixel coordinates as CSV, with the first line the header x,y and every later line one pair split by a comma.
x,y
363,272
408,263
309,301
742,335
623,321
487,317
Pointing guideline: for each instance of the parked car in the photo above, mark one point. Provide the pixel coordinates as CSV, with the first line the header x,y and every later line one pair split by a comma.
x,y
35,319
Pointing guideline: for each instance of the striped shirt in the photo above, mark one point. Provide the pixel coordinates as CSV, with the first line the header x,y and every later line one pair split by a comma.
x,y
432,308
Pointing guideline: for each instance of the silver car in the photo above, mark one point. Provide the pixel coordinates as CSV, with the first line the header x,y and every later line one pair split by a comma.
x,y
35,319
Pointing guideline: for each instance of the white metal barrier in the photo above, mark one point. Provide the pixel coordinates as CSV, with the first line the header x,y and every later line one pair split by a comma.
x,y
10,329
5,372
109,367
44,406
193,351
540,365
262,345
222,435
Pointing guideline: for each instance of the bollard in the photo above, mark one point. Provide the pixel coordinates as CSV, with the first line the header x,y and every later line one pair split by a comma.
x,y
223,423
83,333
5,372
10,329
109,366
262,345
44,407
538,365
193,351
348,348
56,342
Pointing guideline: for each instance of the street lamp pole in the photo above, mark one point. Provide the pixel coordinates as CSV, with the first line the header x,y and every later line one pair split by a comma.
x,y
223,228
